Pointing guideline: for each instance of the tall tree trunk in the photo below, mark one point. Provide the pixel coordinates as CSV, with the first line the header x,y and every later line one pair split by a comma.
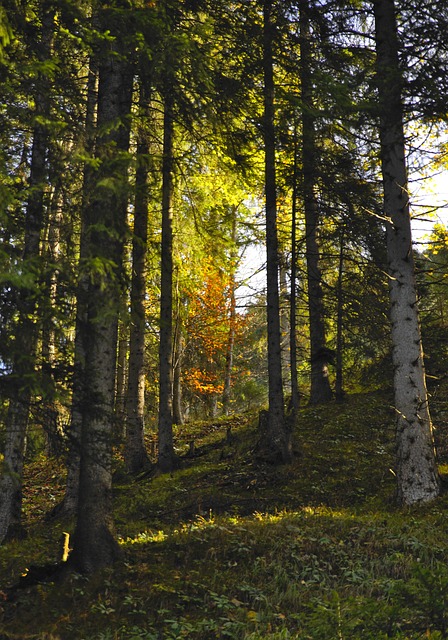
x,y
121,376
51,420
339,389
417,476
136,457
320,385
278,432
166,459
285,332
295,395
94,542
23,369
232,319
70,502
178,417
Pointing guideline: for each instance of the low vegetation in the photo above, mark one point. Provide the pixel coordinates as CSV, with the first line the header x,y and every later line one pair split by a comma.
x,y
227,547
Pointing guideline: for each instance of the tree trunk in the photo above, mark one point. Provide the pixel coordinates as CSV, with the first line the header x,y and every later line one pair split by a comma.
x,y
23,369
94,542
417,476
166,459
54,435
70,502
295,395
320,385
232,319
178,417
136,457
278,433
121,378
339,389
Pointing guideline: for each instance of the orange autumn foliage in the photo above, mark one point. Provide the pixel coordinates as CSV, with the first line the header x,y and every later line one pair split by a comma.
x,y
207,327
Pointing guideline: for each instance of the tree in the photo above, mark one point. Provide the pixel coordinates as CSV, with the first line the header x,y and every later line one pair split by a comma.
x,y
135,453
278,432
320,385
94,542
417,476
166,458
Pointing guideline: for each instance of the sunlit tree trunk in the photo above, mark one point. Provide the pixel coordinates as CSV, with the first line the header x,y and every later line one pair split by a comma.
x,y
23,370
136,457
51,419
166,459
94,542
278,433
295,396
121,375
320,385
417,475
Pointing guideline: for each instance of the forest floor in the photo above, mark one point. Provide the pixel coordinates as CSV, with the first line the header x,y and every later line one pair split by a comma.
x,y
228,547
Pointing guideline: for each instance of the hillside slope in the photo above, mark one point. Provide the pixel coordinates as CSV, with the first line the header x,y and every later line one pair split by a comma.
x,y
228,547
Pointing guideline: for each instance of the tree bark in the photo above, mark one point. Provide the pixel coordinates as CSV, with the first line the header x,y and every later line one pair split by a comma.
x,y
136,456
166,458
278,433
94,542
417,475
320,385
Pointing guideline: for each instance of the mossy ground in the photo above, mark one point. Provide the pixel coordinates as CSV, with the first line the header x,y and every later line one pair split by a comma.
x,y
228,547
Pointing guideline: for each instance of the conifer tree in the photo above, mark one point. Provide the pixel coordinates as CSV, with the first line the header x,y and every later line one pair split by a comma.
x,y
277,430
417,476
105,228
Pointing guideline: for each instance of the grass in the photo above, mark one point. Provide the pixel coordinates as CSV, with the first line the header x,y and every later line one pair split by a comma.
x,y
227,547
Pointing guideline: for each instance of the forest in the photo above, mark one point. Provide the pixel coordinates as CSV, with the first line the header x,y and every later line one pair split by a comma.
x,y
223,350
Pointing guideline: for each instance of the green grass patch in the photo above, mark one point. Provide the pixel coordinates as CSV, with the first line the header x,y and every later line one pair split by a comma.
x,y
228,547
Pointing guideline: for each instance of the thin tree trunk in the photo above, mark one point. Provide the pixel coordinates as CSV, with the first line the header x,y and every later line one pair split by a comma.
x,y
285,332
339,388
166,459
278,432
178,417
232,319
121,378
51,419
94,542
295,395
417,475
23,369
320,385
136,456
